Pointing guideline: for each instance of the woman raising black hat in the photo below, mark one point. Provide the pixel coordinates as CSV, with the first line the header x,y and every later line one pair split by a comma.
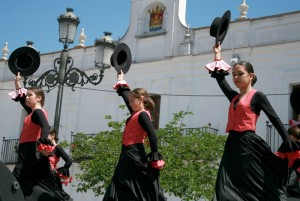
x,y
249,170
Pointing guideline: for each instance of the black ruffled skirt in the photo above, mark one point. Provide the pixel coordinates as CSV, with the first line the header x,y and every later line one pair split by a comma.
x,y
36,179
134,179
249,171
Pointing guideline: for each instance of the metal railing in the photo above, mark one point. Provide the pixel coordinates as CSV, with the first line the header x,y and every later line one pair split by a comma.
x,y
10,146
273,138
184,131
9,153
204,129
73,136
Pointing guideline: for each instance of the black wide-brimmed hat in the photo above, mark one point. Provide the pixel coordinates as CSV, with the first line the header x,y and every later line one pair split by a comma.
x,y
295,100
25,60
219,27
121,58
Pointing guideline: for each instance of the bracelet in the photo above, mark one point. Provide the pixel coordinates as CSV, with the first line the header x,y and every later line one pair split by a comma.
x,y
217,59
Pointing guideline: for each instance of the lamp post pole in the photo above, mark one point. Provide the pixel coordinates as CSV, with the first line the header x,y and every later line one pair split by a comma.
x,y
61,80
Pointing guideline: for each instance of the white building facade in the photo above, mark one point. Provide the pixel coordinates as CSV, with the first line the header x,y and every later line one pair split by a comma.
x,y
168,60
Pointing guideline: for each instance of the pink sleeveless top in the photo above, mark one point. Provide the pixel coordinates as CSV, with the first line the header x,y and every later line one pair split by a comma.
x,y
242,118
133,132
31,132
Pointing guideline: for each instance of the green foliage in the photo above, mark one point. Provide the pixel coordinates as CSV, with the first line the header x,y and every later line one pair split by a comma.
x,y
191,160
64,144
98,155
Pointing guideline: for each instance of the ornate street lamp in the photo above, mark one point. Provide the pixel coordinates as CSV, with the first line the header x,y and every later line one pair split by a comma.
x,y
64,73
104,47
68,23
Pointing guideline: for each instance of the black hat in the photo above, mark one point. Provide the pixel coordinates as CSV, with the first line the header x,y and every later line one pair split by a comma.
x,y
121,58
295,100
220,26
25,60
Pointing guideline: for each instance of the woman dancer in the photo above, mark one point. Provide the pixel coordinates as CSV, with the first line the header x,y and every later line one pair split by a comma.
x,y
62,174
293,187
248,169
32,169
135,178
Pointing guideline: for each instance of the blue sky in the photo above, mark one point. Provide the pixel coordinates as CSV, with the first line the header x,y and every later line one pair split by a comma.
x,y
36,20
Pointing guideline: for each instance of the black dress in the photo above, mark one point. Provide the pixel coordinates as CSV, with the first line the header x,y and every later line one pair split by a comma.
x,y
32,169
134,179
249,171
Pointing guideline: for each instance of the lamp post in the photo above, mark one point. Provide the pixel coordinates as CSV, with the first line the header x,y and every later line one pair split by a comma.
x,y
64,73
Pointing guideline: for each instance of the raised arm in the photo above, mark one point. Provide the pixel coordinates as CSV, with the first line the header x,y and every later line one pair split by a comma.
x,y
18,81
19,95
218,68
123,90
225,87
